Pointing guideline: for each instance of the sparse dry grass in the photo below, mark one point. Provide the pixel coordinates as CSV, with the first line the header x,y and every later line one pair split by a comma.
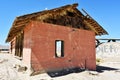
x,y
98,61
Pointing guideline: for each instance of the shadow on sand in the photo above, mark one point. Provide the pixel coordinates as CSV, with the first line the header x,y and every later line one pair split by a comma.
x,y
65,72
99,69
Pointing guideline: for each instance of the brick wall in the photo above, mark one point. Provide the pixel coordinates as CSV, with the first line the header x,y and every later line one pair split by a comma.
x,y
27,45
12,46
79,47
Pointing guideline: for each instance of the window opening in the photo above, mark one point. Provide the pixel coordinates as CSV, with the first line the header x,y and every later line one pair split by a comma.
x,y
59,48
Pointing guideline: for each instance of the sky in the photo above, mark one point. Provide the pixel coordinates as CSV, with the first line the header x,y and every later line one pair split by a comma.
x,y
105,12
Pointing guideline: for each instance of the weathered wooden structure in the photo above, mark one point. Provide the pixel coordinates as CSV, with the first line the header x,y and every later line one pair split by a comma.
x,y
55,39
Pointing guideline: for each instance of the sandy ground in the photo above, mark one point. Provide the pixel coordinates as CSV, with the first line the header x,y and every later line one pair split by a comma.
x,y
108,69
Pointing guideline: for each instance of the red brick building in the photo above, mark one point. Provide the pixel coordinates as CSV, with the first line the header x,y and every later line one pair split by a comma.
x,y
55,39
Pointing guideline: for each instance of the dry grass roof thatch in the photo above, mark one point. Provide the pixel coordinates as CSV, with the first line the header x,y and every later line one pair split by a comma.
x,y
67,15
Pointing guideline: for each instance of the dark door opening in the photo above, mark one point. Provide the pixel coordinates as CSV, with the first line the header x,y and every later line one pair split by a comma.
x,y
19,45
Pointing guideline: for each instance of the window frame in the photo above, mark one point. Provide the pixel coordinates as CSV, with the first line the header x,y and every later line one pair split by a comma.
x,y
61,45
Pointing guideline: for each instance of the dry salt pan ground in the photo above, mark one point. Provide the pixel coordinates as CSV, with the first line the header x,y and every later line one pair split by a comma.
x,y
108,69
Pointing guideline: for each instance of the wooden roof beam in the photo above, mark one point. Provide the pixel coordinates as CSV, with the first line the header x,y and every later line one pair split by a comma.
x,y
91,27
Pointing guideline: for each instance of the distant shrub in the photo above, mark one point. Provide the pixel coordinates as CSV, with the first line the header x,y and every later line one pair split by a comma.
x,y
98,60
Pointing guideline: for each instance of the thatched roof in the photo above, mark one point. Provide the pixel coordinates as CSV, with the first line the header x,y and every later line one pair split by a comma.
x,y
67,15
